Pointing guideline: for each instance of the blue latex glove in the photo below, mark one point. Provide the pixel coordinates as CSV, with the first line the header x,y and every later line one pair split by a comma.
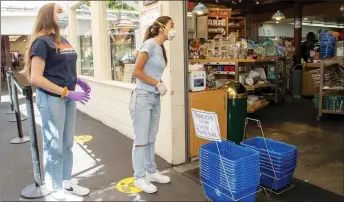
x,y
84,86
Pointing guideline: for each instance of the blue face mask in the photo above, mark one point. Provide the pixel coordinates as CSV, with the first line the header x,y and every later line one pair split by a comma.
x,y
62,20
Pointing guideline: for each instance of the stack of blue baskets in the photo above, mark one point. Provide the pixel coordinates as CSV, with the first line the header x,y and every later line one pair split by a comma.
x,y
278,169
327,45
231,175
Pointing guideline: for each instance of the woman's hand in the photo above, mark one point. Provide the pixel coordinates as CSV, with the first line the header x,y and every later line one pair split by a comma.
x,y
84,86
161,88
81,97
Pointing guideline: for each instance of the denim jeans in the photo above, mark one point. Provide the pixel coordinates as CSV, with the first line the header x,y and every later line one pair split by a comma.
x,y
58,126
145,113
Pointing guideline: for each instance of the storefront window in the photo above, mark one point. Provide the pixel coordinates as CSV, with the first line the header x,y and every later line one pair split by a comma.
x,y
85,39
124,35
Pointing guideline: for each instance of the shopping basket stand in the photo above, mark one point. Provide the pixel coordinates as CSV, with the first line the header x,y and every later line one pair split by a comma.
x,y
267,190
218,192
217,140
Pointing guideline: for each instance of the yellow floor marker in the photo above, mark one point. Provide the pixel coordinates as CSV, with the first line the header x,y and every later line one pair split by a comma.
x,y
83,138
127,186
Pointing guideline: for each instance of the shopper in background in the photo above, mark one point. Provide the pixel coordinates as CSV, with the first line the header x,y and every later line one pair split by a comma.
x,y
21,61
308,45
51,66
145,103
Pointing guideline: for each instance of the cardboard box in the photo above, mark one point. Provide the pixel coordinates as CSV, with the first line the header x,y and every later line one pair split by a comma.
x,y
308,88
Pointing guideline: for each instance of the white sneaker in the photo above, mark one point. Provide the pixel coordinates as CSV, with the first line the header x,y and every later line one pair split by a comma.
x,y
159,178
145,186
78,190
62,195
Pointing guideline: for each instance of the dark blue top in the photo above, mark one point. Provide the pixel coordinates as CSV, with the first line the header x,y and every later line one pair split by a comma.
x,y
60,65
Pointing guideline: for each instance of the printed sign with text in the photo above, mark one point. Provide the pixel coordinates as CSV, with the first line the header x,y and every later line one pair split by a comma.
x,y
206,125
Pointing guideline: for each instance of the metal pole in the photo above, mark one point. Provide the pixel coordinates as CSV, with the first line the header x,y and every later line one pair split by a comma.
x,y
20,139
14,96
237,72
38,189
186,81
9,76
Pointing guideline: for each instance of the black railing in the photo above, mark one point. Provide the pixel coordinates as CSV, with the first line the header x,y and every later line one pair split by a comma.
x,y
38,189
15,107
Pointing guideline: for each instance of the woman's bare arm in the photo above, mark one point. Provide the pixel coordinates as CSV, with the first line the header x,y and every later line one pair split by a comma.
x,y
37,78
139,73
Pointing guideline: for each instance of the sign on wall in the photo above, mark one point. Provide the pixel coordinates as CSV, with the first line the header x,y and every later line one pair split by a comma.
x,y
206,125
147,17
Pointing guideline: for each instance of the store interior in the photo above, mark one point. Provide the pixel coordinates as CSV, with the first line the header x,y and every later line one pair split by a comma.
x,y
14,58
257,59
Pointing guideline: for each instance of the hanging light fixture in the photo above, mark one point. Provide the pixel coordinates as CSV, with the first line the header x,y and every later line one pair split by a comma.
x,y
200,9
278,16
342,8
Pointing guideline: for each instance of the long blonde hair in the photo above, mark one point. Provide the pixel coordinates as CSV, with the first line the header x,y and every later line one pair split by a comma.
x,y
44,25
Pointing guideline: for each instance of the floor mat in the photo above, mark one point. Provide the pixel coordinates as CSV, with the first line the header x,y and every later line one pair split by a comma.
x,y
302,191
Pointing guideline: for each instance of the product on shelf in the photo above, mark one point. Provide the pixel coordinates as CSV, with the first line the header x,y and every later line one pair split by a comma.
x,y
327,45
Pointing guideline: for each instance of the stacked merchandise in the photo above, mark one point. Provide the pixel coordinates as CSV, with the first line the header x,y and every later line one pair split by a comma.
x,y
333,101
229,172
277,161
339,51
327,45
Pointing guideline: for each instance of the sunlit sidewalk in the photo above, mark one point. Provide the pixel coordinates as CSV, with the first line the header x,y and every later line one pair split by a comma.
x,y
102,158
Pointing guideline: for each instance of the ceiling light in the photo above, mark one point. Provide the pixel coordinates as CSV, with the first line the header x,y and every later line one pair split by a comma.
x,y
305,18
257,2
200,9
342,8
278,16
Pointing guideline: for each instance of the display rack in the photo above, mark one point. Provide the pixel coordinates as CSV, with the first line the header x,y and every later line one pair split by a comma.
x,y
272,59
235,62
237,24
322,65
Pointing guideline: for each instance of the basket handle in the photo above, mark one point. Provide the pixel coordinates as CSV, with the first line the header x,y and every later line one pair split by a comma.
x,y
266,145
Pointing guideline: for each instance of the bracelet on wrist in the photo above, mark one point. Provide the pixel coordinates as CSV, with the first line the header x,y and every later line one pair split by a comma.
x,y
64,92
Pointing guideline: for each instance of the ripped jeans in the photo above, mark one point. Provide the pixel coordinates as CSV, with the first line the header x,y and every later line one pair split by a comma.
x,y
145,113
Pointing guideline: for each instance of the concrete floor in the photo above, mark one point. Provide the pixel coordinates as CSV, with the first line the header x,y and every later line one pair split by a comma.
x,y
106,159
319,174
98,164
320,144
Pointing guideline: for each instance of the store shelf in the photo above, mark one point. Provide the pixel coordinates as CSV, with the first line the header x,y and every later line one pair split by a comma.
x,y
333,88
224,73
269,59
324,63
219,60
256,86
255,107
332,112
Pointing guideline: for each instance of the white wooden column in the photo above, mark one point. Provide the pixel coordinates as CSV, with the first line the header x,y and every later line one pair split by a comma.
x,y
73,33
100,41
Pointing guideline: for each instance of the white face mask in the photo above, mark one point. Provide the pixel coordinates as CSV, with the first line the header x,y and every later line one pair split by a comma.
x,y
171,34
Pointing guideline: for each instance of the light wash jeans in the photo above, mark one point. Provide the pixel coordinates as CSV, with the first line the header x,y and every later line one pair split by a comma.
x,y
145,113
58,126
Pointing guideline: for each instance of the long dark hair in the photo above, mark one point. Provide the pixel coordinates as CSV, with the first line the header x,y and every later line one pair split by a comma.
x,y
154,29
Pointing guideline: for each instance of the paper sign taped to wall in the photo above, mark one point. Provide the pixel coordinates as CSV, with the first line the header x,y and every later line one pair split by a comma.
x,y
206,125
